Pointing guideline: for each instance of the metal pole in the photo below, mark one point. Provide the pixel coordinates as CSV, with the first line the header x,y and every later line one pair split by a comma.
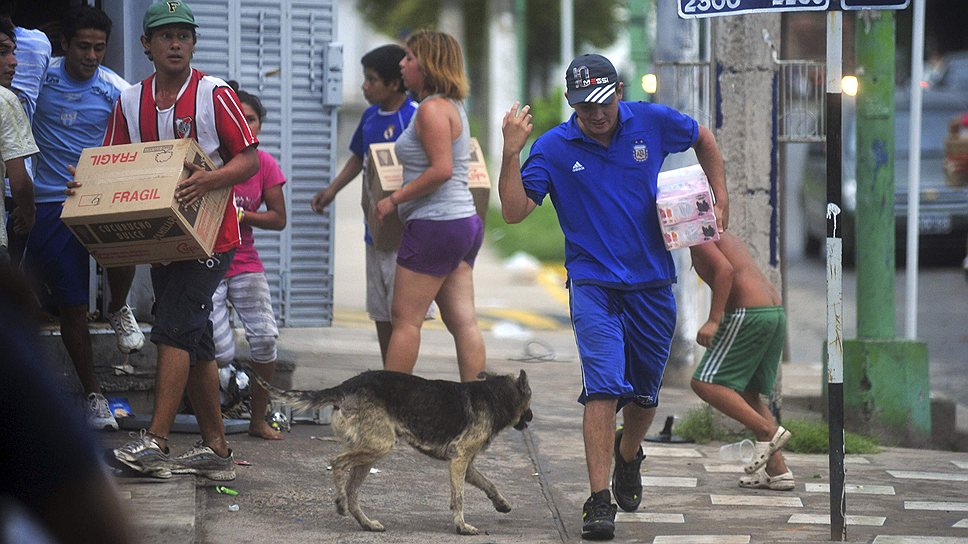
x,y
835,301
914,176
567,45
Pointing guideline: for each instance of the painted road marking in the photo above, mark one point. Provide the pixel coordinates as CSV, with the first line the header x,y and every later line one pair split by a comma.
x,y
944,506
917,475
701,539
756,500
815,459
656,481
725,468
824,519
660,451
649,517
856,460
960,464
900,539
487,318
963,524
853,488
530,320
552,278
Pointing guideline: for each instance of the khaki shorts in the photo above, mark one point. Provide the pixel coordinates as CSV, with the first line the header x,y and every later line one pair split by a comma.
x,y
381,267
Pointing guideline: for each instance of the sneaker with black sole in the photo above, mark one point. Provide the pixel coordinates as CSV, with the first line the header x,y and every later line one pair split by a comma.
x,y
627,478
598,517
201,460
144,455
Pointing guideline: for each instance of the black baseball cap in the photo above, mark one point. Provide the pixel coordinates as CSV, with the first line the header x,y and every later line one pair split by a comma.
x,y
591,78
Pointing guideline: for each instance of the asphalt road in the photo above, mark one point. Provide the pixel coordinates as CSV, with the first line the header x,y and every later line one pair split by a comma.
x,y
942,315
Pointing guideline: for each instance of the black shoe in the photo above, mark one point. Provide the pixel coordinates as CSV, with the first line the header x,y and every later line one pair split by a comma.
x,y
627,478
598,517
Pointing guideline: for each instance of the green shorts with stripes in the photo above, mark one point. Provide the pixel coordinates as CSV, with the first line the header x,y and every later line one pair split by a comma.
x,y
746,350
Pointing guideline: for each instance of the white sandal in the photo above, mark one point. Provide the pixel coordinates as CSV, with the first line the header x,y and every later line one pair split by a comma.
x,y
761,480
764,450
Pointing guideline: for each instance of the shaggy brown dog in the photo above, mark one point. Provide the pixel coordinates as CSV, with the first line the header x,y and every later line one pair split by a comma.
x,y
443,419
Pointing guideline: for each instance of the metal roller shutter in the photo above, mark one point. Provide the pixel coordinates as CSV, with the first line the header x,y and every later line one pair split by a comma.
x,y
277,50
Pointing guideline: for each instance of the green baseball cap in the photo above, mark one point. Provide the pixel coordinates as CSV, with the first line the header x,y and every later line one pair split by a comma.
x,y
168,13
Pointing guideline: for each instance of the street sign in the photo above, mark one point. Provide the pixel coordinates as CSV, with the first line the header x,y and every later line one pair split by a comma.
x,y
692,9
875,4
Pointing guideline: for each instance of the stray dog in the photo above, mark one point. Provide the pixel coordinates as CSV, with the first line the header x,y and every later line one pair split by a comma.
x,y
443,419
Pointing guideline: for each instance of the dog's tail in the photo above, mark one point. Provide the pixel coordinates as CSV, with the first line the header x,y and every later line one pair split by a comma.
x,y
297,400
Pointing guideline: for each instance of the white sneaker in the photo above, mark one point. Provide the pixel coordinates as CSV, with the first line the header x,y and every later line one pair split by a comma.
x,y
99,414
130,337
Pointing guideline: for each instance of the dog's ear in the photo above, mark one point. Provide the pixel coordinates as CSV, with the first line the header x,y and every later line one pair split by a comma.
x,y
522,382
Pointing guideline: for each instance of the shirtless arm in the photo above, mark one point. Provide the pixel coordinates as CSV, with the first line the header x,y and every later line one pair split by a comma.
x,y
714,269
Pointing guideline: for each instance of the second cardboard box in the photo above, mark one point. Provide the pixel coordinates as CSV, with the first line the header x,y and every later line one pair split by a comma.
x,y
384,175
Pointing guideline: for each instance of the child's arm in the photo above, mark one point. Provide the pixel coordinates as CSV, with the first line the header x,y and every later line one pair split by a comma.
x,y
22,190
274,218
352,168
714,269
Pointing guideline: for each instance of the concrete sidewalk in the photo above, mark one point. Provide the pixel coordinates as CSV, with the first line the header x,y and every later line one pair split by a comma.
x,y
691,495
286,493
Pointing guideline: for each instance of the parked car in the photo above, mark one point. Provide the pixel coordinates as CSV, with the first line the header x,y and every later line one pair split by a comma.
x,y
943,221
952,74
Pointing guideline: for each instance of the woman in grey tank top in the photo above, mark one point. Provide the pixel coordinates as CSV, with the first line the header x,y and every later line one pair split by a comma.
x,y
442,231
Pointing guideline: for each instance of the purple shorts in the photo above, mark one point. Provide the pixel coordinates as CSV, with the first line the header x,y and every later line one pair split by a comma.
x,y
437,248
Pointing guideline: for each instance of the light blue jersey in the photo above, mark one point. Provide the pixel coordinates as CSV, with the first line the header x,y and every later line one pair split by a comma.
x,y
71,115
33,58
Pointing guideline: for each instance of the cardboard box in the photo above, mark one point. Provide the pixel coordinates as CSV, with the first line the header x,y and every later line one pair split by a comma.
x,y
125,211
384,175
685,207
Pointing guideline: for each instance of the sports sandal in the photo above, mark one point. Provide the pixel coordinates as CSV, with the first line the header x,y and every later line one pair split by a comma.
x,y
761,480
764,450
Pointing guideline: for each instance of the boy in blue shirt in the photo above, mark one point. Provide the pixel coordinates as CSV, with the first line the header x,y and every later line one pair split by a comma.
x,y
600,169
73,107
383,121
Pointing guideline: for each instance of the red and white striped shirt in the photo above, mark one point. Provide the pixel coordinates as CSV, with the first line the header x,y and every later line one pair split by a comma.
x,y
206,110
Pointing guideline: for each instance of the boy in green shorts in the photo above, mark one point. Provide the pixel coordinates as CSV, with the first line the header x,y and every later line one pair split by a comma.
x,y
744,335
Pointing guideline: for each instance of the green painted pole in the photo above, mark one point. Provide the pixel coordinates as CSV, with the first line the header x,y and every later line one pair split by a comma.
x,y
886,381
876,300
639,48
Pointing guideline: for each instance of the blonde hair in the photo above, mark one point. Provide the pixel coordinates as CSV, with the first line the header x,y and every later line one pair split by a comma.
x,y
440,59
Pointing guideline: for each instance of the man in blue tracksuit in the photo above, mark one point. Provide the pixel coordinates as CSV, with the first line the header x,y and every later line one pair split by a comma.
x,y
600,169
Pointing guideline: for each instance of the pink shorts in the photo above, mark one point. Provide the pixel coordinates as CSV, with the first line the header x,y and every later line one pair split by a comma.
x,y
436,248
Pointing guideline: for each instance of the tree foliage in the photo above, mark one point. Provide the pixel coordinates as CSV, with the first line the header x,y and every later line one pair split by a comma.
x,y
596,26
